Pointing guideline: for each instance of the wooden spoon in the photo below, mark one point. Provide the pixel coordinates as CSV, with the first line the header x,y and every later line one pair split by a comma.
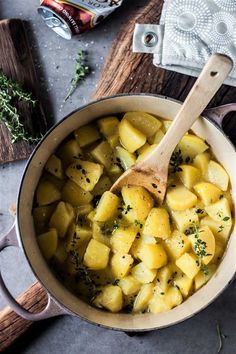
x,y
152,171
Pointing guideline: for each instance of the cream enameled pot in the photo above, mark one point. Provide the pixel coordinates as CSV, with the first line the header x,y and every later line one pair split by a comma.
x,y
61,300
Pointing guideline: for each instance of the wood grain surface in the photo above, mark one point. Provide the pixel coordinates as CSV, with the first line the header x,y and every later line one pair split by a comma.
x,y
17,63
123,72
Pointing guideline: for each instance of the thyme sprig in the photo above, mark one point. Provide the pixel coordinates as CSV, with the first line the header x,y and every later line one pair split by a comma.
x,y
11,93
81,71
221,338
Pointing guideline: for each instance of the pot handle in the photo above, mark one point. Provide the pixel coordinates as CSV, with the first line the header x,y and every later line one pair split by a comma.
x,y
52,309
217,114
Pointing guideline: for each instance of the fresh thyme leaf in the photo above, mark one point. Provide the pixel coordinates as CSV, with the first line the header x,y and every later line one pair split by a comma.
x,y
176,160
221,338
138,223
81,71
226,218
11,93
125,209
204,269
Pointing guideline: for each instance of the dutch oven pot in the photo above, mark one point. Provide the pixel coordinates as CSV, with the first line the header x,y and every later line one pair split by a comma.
x,y
60,299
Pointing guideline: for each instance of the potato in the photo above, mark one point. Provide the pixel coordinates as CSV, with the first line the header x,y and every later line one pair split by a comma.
x,y
185,219
177,244
139,200
129,285
114,140
189,264
217,175
135,248
111,298
42,215
173,297
144,122
83,210
220,230
184,284
54,166
121,264
189,175
164,277
77,235
57,182
153,256
166,123
86,135
157,304
157,223
124,157
96,255
103,154
85,174
219,251
107,207
130,137
191,145
62,218
99,234
47,193
48,243
201,162
146,151
122,239
208,192
200,209
102,186
202,278
220,211
69,152
143,274
180,198
73,194
203,244
108,126
156,138
60,255
143,297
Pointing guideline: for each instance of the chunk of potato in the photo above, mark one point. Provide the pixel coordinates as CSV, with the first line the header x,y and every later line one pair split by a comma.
x,y
108,126
69,152
125,158
163,277
54,166
220,211
48,243
144,122
202,278
166,123
77,235
86,135
58,183
201,162
85,174
157,223
158,304
115,171
60,255
180,198
103,154
98,233
143,274
135,248
156,138
75,195
208,192
184,284
102,186
217,175
114,140
129,285
177,244
122,239
47,193
219,229
146,151
173,297
83,210
110,297
131,138
139,200
153,256
185,219
189,264
189,175
96,255
42,215
219,251
191,145
121,264
143,297
62,218
107,207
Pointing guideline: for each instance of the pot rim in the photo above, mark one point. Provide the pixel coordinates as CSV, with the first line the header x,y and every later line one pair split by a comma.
x,y
18,230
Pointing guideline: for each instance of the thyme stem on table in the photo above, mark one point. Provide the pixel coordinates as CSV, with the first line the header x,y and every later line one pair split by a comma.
x,y
221,338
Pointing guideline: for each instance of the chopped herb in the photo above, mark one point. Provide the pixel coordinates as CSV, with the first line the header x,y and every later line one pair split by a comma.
x,y
162,293
187,159
138,223
176,160
226,218
116,282
221,228
154,185
125,209
199,211
221,196
204,269
95,200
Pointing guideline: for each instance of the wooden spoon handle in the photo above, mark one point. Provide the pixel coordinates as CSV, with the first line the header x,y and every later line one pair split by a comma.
x,y
209,81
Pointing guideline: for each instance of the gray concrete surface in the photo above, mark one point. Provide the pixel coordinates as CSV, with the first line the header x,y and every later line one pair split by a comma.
x,y
54,59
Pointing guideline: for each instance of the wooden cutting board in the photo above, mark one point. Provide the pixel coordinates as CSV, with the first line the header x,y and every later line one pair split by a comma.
x,y
17,63
123,72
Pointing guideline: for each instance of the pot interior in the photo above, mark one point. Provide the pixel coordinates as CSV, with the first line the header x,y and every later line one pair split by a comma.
x,y
158,106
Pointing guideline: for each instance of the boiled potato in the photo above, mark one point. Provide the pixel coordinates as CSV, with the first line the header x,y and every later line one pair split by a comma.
x,y
122,239
54,166
203,244
217,175
75,195
62,218
144,122
85,173
220,211
177,244
42,215
77,235
124,157
185,219
146,151
96,255
60,255
164,277
48,243
102,186
143,274
202,278
180,198
131,138
208,192
107,207
157,304
108,126
86,135
110,297
129,285
153,256
114,140
184,284
166,123
103,154
157,223
189,264
221,230
189,175
69,152
191,145
47,193
173,297
121,264
156,138
143,297
201,162
98,233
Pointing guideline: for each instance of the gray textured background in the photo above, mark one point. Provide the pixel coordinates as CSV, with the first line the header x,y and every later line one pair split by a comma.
x,y
54,59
